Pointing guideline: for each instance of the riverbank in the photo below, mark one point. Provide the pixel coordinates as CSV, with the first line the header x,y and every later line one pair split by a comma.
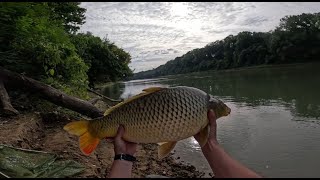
x,y
264,66
43,130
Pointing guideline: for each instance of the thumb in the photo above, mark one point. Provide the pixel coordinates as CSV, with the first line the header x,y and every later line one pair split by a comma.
x,y
119,132
211,116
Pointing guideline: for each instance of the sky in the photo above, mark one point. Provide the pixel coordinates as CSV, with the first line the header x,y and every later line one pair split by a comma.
x,y
156,32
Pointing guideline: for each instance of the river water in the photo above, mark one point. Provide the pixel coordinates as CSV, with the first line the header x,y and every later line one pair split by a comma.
x,y
274,125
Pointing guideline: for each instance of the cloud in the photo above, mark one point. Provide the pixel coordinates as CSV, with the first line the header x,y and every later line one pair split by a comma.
x,y
253,21
156,32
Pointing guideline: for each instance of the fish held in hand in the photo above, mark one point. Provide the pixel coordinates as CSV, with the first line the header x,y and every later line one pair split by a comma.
x,y
157,115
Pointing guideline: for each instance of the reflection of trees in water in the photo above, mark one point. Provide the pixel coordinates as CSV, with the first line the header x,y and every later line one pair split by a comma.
x,y
296,88
126,90
132,89
113,91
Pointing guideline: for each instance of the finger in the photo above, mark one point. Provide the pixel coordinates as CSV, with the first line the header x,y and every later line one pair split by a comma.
x,y
131,143
119,132
211,115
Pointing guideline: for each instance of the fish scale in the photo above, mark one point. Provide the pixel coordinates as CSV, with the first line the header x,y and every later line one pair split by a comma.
x,y
160,111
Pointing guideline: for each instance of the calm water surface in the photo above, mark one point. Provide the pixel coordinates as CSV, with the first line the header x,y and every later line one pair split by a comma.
x,y
274,126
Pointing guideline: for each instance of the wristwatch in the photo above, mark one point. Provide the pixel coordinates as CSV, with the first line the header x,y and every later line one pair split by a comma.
x,y
126,157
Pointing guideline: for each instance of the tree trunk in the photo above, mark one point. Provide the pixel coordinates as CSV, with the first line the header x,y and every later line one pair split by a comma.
x,y
49,93
5,101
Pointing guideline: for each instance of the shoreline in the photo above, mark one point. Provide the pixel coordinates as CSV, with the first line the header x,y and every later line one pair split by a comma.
x,y
233,69
43,131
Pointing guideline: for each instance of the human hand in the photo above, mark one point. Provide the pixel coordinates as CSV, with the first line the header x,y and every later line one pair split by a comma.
x,y
122,169
122,146
213,129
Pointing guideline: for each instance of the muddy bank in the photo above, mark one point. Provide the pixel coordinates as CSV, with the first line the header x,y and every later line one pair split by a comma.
x,y
44,131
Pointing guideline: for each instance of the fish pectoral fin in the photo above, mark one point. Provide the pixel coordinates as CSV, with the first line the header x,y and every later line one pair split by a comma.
x,y
204,134
165,148
160,143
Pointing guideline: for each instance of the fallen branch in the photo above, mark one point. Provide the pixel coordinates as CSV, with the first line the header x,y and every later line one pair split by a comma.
x,y
93,101
5,101
49,93
109,100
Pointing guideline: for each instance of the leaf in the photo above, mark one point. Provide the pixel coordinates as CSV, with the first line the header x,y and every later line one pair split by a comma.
x,y
51,71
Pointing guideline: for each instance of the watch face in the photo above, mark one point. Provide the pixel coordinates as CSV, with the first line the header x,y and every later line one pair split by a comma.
x,y
126,157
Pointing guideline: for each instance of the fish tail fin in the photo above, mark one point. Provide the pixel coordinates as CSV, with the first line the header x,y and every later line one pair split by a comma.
x,y
87,142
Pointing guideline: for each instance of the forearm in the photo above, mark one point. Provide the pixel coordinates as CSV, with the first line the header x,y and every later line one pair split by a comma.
x,y
121,169
222,164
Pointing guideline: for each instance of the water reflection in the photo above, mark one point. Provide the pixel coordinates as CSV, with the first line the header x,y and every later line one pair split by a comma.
x,y
132,89
296,87
274,120
113,91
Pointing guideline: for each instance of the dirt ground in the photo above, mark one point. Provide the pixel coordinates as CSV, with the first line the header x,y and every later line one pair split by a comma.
x,y
45,132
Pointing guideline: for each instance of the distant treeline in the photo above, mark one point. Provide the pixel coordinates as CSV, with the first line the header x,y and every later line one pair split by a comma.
x,y
40,39
296,39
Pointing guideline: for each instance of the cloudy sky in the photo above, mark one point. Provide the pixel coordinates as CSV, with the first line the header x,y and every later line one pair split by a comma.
x,y
156,32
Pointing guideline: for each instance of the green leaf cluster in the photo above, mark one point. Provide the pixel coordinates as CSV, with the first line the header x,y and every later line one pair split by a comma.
x,y
41,41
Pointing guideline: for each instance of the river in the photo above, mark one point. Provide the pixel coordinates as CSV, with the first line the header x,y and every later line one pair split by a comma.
x,y
274,124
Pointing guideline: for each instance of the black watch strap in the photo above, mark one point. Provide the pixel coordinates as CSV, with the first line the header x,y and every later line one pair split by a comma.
x,y
126,157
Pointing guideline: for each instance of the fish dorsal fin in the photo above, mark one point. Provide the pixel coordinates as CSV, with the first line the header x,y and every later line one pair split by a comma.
x,y
152,89
144,93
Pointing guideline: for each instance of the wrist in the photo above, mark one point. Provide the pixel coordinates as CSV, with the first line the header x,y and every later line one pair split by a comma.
x,y
210,145
123,163
123,152
121,168
124,157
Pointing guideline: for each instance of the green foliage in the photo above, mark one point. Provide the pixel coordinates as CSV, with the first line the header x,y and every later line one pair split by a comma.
x,y
9,13
40,40
296,39
70,13
107,62
40,48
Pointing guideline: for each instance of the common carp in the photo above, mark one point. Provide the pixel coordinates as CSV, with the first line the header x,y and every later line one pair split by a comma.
x,y
157,115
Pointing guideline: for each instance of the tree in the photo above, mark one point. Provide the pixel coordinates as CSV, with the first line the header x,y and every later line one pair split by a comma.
x,y
300,23
38,46
70,13
105,60
296,39
40,41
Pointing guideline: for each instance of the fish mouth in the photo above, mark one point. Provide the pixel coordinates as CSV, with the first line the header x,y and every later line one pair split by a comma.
x,y
228,110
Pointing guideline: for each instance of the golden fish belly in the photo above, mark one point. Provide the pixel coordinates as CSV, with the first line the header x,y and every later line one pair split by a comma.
x,y
167,115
